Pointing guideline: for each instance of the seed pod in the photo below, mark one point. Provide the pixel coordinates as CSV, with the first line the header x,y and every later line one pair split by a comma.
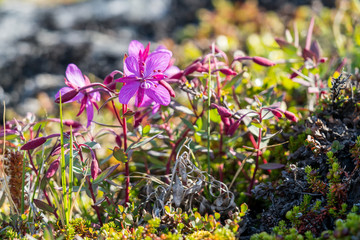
x,y
32,144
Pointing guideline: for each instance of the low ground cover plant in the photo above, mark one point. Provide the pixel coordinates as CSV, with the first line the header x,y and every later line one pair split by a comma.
x,y
228,145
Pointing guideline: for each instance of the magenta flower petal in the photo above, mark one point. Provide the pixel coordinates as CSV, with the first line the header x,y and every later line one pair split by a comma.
x,y
140,97
95,96
171,71
135,47
156,62
126,79
128,91
75,76
89,113
159,94
132,65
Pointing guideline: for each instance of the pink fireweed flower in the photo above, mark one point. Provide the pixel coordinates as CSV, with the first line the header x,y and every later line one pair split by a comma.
x,y
86,96
143,71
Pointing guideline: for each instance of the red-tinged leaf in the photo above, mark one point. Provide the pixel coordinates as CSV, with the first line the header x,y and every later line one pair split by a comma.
x,y
340,67
315,48
32,144
271,166
67,96
263,61
281,42
308,54
44,206
52,169
309,34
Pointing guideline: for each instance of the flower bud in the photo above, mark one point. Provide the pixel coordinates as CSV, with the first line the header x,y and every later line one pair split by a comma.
x,y
263,61
118,141
277,113
192,68
94,168
223,112
67,96
227,71
168,87
32,144
290,116
233,128
52,169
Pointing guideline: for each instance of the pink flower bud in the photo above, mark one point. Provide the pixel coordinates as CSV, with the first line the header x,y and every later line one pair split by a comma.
x,y
290,116
233,128
118,141
52,169
32,144
67,96
263,61
223,112
192,68
277,113
227,71
177,75
94,168
168,87
72,123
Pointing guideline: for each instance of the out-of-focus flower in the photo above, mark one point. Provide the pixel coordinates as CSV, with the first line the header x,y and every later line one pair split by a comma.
x,y
143,73
77,83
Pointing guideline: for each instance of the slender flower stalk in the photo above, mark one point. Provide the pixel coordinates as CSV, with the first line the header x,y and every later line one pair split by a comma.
x,y
208,118
62,164
71,173
127,177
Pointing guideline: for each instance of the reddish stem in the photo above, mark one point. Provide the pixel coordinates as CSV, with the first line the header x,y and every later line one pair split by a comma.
x,y
127,177
44,190
94,200
256,161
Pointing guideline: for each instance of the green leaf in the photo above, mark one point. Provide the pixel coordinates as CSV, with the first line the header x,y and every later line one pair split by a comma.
x,y
181,108
43,206
244,207
188,124
268,136
105,174
217,215
271,166
214,116
146,130
235,81
92,145
139,144
120,155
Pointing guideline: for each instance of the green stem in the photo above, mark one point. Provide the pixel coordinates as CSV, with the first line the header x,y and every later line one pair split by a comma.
x,y
71,174
62,163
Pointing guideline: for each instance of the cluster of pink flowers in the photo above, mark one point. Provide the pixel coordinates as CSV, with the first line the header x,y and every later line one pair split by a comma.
x,y
144,77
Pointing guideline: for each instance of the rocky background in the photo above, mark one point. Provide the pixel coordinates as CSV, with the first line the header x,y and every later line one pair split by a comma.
x,y
38,41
